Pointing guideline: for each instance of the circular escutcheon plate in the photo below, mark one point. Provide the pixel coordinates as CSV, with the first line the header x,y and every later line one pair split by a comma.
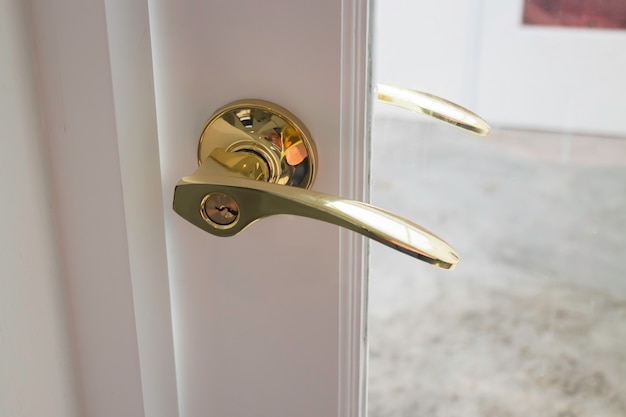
x,y
267,130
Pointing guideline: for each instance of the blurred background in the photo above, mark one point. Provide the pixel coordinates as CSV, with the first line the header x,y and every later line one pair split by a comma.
x,y
533,320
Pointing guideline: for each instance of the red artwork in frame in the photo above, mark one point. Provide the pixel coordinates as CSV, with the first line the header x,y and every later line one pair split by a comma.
x,y
602,14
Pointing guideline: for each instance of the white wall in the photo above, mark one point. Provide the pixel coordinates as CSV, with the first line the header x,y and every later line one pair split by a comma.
x,y
36,371
478,54
426,46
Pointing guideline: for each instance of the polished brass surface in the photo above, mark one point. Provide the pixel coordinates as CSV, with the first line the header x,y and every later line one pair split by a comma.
x,y
258,199
249,151
433,106
263,130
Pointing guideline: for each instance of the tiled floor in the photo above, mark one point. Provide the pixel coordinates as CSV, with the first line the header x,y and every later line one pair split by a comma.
x,y
533,320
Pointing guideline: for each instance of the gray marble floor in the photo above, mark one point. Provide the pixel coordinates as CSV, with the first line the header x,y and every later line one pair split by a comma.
x,y
533,320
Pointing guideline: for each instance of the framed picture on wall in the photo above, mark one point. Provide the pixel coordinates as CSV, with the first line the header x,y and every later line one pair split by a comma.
x,y
601,14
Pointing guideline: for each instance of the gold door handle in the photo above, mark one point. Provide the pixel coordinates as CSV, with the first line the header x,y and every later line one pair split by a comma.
x,y
257,159
433,106
224,203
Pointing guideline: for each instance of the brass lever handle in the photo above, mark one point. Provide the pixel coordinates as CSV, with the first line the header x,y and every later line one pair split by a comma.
x,y
215,194
257,159
433,106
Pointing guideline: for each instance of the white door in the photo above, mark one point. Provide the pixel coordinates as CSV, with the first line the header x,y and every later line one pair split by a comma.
x,y
112,304
265,323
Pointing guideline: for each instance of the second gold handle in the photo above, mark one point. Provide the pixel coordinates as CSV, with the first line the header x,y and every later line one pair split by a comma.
x,y
433,106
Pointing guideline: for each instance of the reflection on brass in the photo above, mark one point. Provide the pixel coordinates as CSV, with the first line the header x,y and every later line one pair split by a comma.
x,y
433,106
249,151
266,132
245,163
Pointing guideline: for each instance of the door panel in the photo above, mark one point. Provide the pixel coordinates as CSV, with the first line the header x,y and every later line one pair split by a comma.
x,y
256,317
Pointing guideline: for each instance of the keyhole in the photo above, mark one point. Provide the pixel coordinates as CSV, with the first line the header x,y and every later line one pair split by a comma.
x,y
219,209
227,212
